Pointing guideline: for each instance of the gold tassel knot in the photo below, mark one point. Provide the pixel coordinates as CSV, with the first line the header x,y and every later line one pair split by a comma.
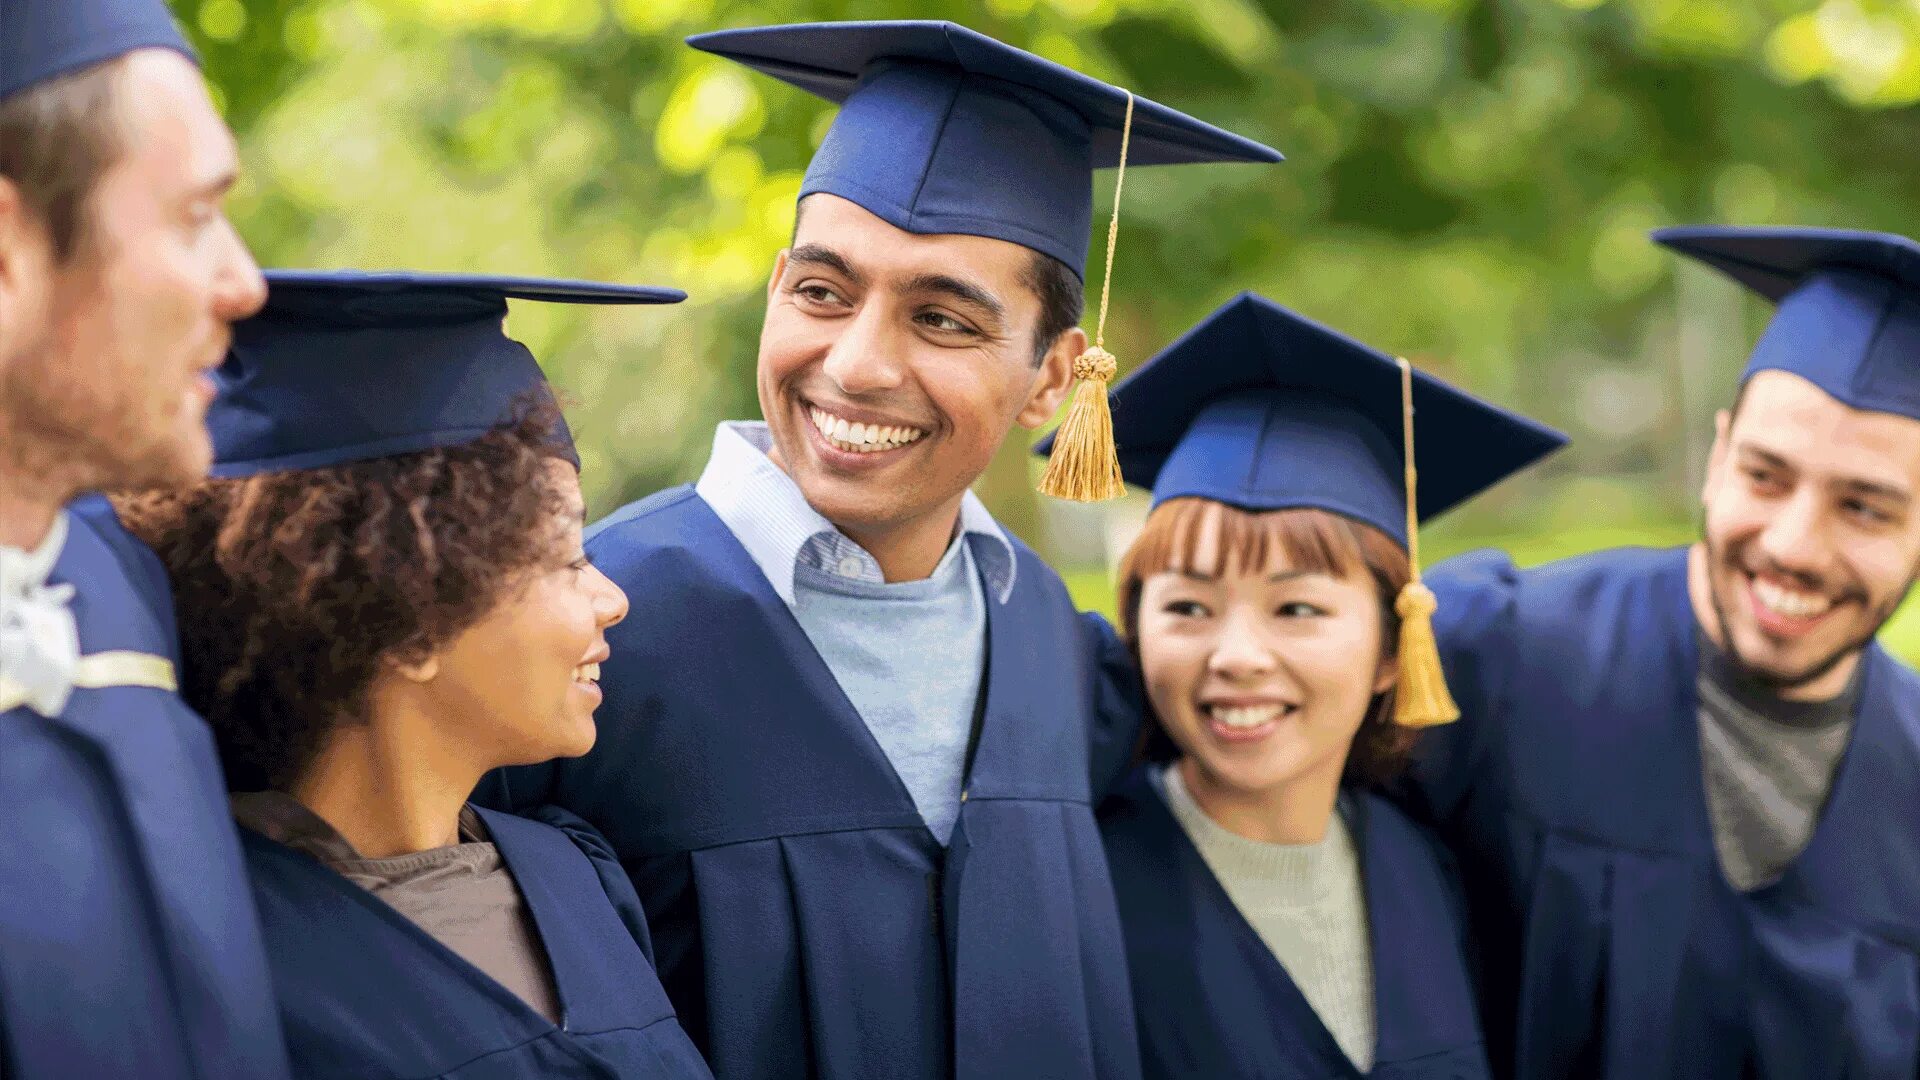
x,y
1083,465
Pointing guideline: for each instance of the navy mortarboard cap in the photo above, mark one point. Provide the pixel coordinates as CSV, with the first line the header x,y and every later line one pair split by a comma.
x,y
343,366
1849,306
945,130
1264,409
44,39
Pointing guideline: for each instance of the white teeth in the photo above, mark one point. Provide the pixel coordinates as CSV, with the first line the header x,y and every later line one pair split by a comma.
x,y
587,673
1790,602
861,438
1245,716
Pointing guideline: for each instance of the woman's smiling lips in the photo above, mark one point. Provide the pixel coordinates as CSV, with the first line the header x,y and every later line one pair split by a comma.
x,y
1244,719
586,674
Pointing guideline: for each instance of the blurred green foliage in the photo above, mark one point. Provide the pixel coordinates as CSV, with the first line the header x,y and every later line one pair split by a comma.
x,y
1470,183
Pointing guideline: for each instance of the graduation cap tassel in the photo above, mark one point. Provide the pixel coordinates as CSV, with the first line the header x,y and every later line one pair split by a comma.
x,y
1422,699
1084,466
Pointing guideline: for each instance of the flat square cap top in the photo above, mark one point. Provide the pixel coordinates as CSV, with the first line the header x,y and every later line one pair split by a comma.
x,y
344,366
945,130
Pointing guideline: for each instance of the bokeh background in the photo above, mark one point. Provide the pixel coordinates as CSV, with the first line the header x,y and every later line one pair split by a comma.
x,y
1470,183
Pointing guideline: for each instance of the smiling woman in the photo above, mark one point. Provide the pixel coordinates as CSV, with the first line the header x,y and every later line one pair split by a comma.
x,y
382,598
1282,917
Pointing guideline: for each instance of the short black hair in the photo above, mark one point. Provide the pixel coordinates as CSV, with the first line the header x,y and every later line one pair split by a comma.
x,y
1739,399
1062,302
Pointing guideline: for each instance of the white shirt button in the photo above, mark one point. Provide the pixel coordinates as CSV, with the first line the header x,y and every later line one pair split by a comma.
x,y
850,567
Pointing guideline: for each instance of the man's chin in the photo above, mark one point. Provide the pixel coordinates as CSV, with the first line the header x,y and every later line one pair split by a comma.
x,y
847,502
1786,670
178,463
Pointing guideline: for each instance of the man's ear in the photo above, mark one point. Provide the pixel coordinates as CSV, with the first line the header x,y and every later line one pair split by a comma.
x,y
1053,380
1716,458
26,262
779,271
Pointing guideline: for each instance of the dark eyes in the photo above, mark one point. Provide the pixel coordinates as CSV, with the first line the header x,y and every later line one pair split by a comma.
x,y
819,294
1193,609
1872,515
942,322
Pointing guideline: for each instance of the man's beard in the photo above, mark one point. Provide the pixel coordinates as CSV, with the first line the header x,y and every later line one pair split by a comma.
x,y
1718,565
92,444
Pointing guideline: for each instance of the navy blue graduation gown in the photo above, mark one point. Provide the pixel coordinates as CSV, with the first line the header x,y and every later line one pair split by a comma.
x,y
1213,1003
1572,793
368,995
808,923
128,942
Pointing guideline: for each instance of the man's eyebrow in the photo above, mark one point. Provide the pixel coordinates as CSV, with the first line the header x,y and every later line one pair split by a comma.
x,y
1853,485
217,185
823,256
1875,489
1766,456
965,291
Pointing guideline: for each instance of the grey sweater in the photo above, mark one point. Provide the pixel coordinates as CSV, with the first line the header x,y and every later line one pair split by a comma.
x,y
1308,903
1768,766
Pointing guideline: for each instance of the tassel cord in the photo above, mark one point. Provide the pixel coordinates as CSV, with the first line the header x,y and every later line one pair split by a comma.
x,y
1084,466
1422,699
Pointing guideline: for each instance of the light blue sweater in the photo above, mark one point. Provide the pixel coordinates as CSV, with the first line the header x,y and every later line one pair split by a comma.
x,y
909,655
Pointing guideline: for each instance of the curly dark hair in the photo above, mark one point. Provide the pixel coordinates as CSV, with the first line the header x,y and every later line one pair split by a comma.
x,y
1313,540
295,589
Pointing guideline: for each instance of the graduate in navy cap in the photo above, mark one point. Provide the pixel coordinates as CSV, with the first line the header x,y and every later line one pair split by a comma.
x,y
1282,921
128,943
848,771
382,596
1684,790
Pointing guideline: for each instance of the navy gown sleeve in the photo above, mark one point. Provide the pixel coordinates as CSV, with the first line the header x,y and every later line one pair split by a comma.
x,y
1119,706
605,864
1476,628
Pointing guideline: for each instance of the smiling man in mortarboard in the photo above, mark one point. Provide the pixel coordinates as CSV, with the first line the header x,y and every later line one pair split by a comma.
x,y
128,943
1685,782
844,754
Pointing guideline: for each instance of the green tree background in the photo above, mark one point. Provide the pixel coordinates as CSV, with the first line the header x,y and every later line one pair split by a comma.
x,y
1470,182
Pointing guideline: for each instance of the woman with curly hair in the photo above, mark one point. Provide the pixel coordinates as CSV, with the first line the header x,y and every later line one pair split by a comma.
x,y
383,596
1281,919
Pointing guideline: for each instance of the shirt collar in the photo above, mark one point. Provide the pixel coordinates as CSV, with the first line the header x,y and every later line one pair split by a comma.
x,y
23,572
765,510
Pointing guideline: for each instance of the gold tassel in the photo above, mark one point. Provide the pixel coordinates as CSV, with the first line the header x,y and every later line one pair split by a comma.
x,y
1084,465
1421,699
